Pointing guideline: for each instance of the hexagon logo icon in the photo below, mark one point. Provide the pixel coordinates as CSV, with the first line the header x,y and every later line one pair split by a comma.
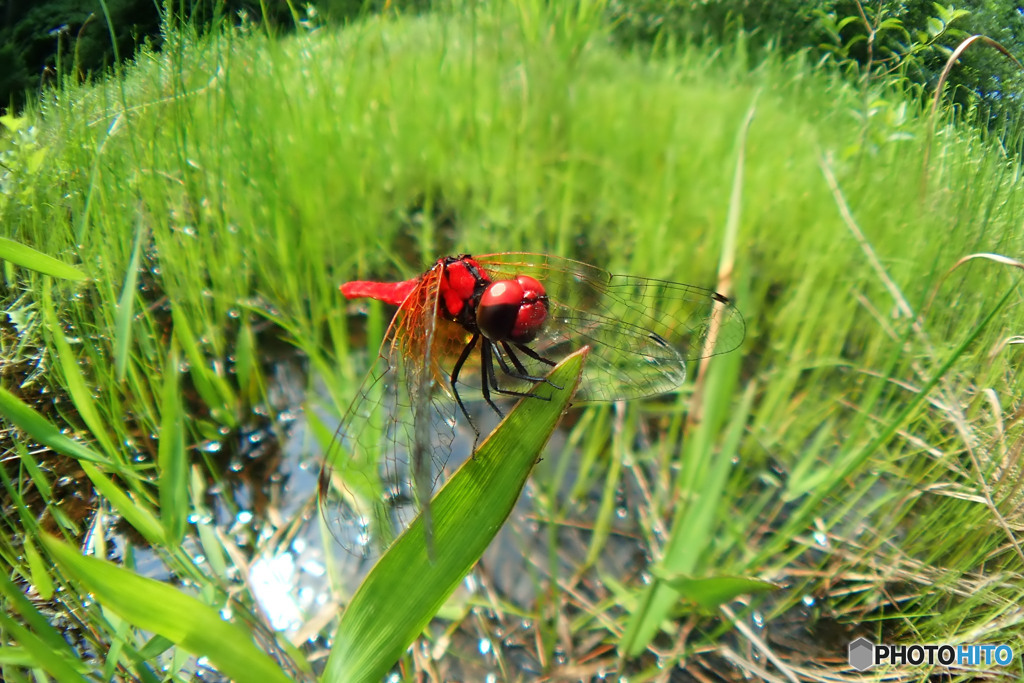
x,y
862,654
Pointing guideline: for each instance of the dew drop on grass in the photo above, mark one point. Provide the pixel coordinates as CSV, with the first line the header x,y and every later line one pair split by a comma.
x,y
243,517
484,646
808,600
821,539
211,446
757,618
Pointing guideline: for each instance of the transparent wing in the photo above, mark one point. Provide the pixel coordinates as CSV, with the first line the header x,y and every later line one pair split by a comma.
x,y
393,443
641,331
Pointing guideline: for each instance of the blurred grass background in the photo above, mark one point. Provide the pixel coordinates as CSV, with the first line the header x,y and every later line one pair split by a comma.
x,y
861,450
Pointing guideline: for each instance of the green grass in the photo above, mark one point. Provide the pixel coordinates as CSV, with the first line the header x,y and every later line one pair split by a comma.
x,y
218,194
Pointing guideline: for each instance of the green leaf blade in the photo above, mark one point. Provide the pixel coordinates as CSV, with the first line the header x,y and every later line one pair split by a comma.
x,y
713,591
155,606
39,428
27,257
405,589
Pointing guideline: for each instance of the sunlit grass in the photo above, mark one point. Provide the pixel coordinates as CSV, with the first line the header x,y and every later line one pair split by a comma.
x,y
256,175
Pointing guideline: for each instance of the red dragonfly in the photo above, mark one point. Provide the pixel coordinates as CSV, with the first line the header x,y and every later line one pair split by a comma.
x,y
498,323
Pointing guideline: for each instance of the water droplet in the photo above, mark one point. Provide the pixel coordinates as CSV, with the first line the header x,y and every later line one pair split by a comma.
x,y
757,618
243,517
808,600
821,539
211,446
484,646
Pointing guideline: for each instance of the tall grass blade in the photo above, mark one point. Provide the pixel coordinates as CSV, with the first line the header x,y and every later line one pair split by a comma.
x,y
134,511
171,458
126,307
82,396
41,653
15,601
693,528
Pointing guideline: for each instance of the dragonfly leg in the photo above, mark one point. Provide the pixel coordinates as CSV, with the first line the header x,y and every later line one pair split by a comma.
x,y
455,378
520,372
487,376
534,355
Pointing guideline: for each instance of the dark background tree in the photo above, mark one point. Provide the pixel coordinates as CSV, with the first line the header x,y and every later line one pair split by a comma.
x,y
908,41
41,38
871,39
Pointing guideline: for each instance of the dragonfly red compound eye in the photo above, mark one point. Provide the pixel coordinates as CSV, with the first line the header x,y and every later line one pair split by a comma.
x,y
497,323
512,310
